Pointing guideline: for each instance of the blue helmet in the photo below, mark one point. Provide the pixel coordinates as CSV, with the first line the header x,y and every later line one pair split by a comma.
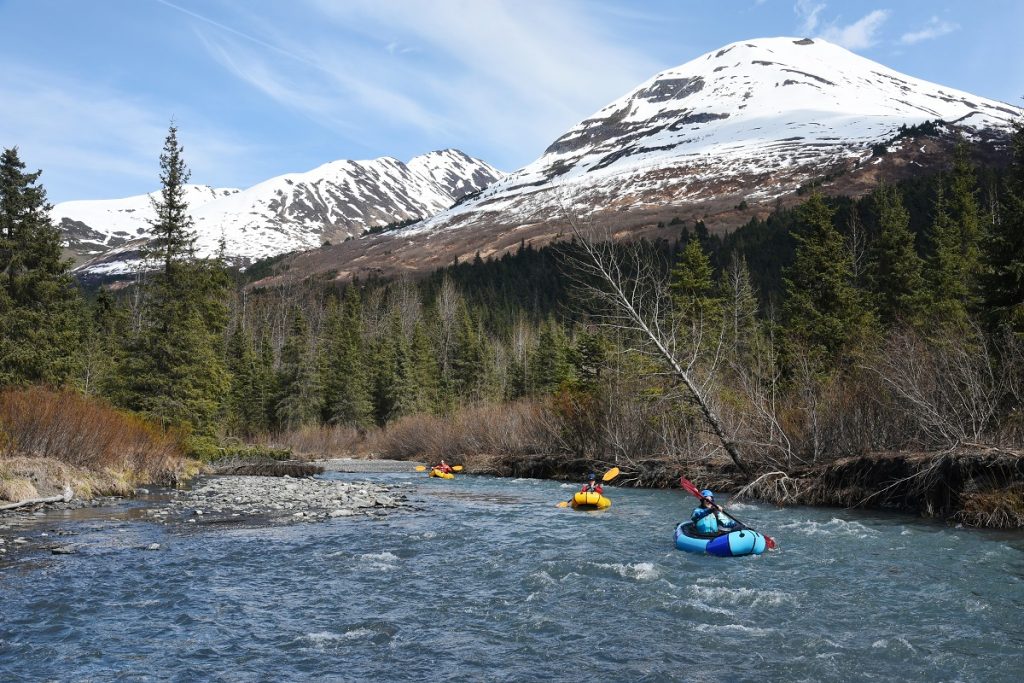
x,y
706,493
593,476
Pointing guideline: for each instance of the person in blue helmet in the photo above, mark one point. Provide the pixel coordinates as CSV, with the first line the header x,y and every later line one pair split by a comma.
x,y
592,485
708,518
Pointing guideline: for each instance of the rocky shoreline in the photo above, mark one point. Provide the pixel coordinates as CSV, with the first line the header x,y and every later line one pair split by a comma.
x,y
215,499
280,498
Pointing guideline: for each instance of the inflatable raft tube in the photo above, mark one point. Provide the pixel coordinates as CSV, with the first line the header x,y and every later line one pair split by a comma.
x,y
590,500
734,543
442,475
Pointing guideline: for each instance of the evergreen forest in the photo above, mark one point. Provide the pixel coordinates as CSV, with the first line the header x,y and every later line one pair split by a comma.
x,y
843,326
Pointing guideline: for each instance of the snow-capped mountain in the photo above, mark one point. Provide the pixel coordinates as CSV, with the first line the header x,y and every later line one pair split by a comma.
x,y
722,138
753,119
291,212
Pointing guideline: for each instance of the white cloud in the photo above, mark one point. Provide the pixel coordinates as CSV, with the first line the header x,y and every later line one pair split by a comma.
x,y
808,12
858,35
935,28
523,70
87,138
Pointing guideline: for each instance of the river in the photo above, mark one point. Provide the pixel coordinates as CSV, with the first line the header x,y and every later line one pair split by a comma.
x,y
486,580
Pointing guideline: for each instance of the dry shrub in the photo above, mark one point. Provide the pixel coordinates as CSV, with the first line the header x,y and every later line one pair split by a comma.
x,y
775,487
87,434
481,437
317,441
17,489
48,477
994,509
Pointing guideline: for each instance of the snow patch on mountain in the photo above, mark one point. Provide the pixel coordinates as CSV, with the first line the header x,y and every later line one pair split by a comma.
x,y
295,211
754,118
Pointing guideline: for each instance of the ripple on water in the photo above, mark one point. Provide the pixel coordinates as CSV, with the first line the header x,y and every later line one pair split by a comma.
x,y
832,528
384,561
746,597
376,633
639,571
268,604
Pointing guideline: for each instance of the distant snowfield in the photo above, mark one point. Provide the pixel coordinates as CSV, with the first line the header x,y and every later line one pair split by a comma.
x,y
754,119
750,108
295,211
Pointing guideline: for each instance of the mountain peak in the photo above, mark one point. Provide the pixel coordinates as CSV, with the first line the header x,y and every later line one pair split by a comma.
x,y
293,211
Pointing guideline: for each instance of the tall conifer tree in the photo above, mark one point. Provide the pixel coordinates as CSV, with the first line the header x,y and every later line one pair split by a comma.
x,y
894,269
346,394
299,392
823,310
39,312
174,369
1004,249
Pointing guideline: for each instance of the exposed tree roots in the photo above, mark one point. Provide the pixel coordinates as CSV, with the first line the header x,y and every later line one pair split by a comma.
x,y
975,485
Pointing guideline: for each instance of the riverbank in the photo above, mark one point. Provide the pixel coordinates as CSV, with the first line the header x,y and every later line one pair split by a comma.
x,y
278,499
210,501
975,486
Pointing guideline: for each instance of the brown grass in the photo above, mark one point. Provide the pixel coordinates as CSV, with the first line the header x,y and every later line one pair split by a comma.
x,y
58,437
317,441
994,509
17,489
481,437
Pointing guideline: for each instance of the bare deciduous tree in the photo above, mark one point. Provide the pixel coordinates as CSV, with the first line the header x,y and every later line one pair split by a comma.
x,y
633,294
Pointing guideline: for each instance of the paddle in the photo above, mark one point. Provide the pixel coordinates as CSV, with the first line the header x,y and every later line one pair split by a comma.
x,y
423,468
693,490
608,476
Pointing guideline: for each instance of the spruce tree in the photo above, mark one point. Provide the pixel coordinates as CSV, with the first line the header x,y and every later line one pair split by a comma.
x,y
894,268
823,311
739,307
298,379
469,359
693,288
425,371
39,308
1003,280
948,288
588,356
172,239
965,214
550,367
104,326
346,394
174,367
247,400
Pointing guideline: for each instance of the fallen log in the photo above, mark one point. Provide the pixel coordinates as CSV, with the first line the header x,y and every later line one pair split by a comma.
x,y
62,498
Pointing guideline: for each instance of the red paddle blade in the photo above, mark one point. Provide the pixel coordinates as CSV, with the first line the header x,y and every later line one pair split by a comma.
x,y
770,543
690,488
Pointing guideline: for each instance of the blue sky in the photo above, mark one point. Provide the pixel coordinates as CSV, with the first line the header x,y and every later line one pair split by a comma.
x,y
261,87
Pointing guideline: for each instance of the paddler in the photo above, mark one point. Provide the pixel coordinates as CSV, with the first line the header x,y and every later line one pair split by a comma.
x,y
708,517
443,467
592,485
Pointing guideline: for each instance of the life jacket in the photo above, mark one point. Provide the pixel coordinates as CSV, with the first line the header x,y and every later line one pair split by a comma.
x,y
705,520
592,486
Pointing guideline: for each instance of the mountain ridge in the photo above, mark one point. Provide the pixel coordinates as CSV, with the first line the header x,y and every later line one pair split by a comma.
x,y
292,211
752,124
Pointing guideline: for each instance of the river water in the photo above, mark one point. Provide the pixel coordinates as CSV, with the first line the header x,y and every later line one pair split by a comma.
x,y
487,580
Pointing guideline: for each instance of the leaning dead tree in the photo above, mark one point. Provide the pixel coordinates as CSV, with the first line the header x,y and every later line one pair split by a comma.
x,y
633,293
